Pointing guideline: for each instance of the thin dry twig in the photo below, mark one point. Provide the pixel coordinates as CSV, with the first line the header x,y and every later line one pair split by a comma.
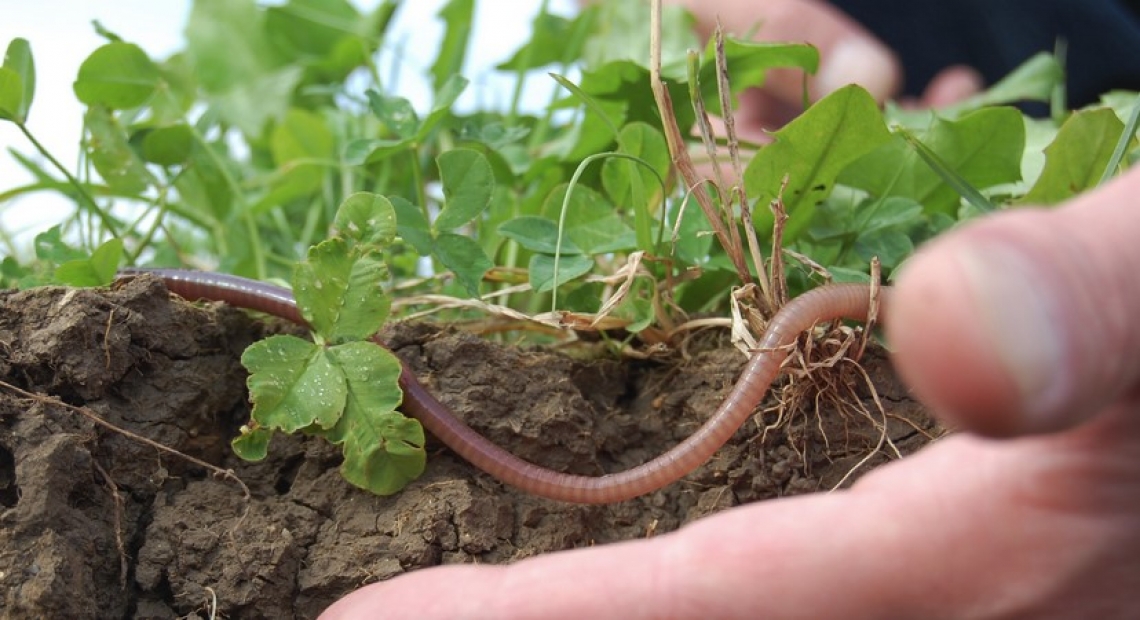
x,y
117,501
682,162
779,282
815,268
708,138
724,88
693,325
764,299
742,332
873,307
106,339
227,474
626,276
737,194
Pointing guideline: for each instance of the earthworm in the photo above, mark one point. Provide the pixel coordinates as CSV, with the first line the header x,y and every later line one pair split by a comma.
x,y
849,301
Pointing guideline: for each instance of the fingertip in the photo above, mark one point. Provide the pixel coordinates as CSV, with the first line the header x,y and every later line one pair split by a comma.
x,y
858,59
849,53
939,349
469,588
952,85
1020,323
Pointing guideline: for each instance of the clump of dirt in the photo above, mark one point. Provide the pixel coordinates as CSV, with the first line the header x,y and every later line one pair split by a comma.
x,y
94,523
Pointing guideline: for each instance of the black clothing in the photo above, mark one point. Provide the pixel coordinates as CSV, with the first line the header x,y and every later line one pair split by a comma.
x,y
994,36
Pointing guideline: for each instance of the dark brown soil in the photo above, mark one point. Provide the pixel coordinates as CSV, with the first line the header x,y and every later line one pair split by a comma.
x,y
95,524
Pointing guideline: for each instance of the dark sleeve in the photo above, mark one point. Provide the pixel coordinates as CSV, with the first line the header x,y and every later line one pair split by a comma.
x,y
994,36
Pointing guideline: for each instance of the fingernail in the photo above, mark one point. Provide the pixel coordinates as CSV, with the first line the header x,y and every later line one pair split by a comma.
x,y
857,60
1020,313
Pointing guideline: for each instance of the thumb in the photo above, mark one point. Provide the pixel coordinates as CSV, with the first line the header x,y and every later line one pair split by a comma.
x,y
1025,322
849,54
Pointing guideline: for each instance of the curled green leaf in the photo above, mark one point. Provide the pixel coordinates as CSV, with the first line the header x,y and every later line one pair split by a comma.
x,y
385,455
252,444
367,218
468,184
383,450
465,258
340,292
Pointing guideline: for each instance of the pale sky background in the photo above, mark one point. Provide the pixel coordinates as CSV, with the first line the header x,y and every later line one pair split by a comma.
x,y
61,36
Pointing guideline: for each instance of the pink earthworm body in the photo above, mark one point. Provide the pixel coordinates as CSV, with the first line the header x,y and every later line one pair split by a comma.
x,y
835,301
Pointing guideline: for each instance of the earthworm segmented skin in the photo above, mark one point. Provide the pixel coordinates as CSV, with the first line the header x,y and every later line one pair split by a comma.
x,y
849,301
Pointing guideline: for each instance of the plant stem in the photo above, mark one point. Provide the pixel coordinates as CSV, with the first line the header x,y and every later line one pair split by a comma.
x,y
1122,144
103,216
163,206
254,239
679,153
418,181
524,61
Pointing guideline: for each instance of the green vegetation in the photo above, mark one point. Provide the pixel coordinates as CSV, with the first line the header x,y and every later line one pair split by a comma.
x,y
236,152
340,386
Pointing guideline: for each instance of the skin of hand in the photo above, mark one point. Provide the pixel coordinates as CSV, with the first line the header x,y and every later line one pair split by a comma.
x,y
848,54
1021,328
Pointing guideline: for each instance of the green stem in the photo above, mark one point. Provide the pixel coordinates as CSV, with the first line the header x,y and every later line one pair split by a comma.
x,y
260,271
256,249
524,61
103,216
566,208
538,135
418,181
1122,144
163,206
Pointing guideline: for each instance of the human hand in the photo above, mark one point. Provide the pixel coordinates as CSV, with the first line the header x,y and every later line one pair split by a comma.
x,y
1021,326
848,54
